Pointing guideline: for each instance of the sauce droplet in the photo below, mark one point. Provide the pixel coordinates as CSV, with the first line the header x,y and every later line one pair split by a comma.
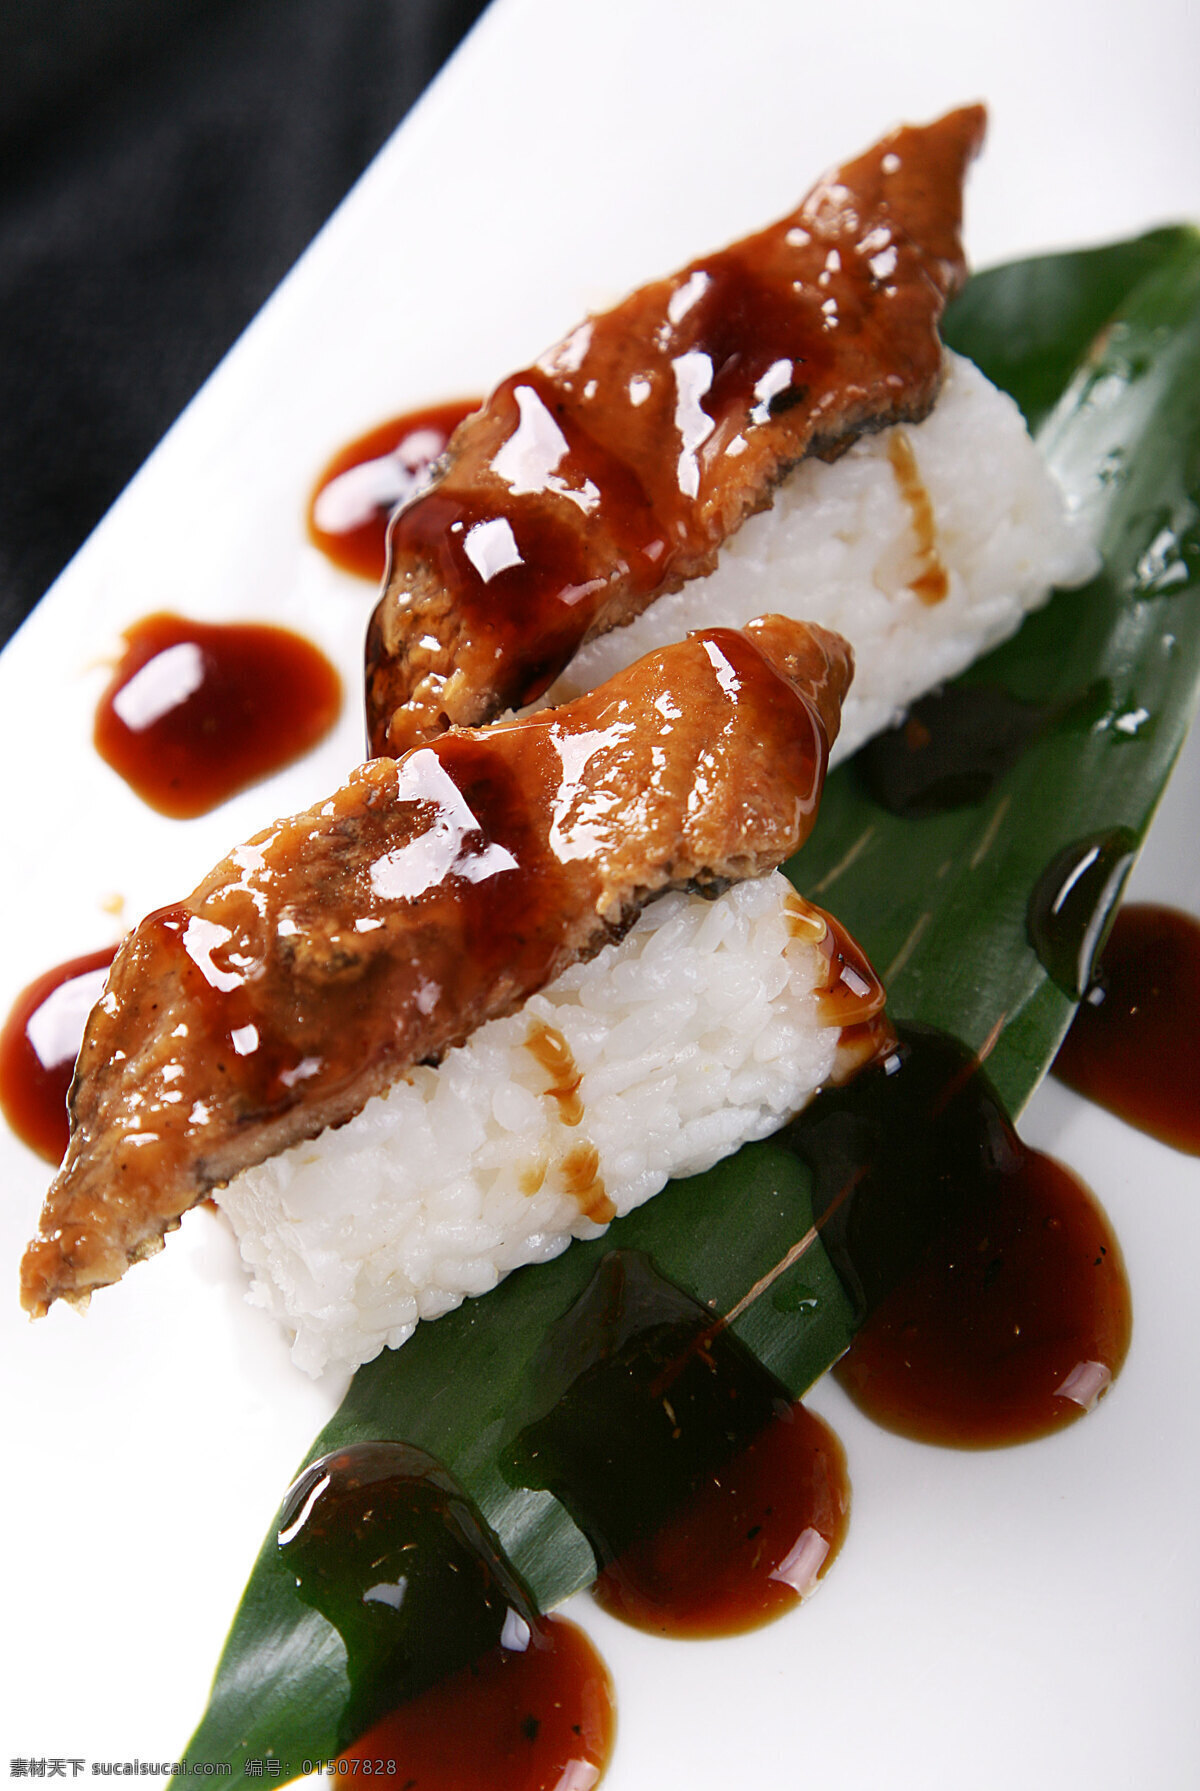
x,y
1132,1045
1013,1324
365,481
39,1043
538,1719
1071,904
954,746
197,711
749,1544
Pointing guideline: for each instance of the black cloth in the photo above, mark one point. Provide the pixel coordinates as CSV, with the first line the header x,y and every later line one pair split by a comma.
x,y
163,162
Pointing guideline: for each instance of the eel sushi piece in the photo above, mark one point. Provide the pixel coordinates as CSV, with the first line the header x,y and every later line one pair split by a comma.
x,y
322,960
610,473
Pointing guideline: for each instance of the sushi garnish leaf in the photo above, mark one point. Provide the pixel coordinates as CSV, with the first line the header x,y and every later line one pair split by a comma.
x,y
1102,350
941,904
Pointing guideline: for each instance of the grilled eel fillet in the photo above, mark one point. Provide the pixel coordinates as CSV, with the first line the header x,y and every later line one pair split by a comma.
x,y
611,472
322,959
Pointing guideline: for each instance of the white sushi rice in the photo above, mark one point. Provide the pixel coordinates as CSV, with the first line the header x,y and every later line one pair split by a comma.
x,y
839,547
699,1031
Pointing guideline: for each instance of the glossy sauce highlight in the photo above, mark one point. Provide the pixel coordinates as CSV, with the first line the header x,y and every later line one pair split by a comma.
x,y
991,1289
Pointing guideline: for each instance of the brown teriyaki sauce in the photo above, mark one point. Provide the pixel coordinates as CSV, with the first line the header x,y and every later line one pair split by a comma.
x,y
1132,1046
453,847
996,1305
750,1542
196,711
540,1718
365,481
994,1308
1071,902
930,582
625,445
454,1678
712,1502
39,1043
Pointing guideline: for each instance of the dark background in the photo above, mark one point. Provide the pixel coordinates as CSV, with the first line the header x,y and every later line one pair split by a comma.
x,y
163,163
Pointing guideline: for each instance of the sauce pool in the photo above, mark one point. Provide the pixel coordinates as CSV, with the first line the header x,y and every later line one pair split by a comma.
x,y
748,1545
1133,1046
992,1296
363,483
995,1309
454,1680
39,1043
197,711
542,1719
1014,1323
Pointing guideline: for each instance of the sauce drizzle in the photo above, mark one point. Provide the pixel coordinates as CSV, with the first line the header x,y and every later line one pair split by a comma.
x,y
197,711
454,1678
636,1372
612,470
550,1050
951,750
930,582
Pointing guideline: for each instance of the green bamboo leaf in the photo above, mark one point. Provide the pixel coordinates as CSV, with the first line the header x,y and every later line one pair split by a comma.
x,y
452,1391
941,904
1102,348
1028,324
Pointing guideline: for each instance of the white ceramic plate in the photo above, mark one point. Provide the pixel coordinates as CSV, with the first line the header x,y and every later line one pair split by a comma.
x,y
1027,1618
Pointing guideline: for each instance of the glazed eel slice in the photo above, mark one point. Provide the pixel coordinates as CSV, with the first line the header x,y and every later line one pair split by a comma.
x,y
610,473
338,948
